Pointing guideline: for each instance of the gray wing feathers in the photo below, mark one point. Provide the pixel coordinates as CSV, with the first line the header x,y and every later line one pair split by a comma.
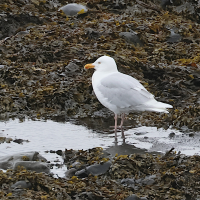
x,y
123,91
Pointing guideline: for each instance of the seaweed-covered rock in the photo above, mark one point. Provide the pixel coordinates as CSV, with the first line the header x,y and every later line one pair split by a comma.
x,y
95,170
33,166
133,197
5,139
29,160
129,177
43,52
131,38
21,184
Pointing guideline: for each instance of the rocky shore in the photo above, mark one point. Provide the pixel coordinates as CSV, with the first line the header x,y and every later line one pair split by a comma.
x,y
93,174
42,53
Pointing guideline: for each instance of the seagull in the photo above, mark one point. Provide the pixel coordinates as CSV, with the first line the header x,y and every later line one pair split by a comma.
x,y
121,93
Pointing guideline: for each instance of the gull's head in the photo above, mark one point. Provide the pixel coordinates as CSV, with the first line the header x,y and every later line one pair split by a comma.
x,y
103,64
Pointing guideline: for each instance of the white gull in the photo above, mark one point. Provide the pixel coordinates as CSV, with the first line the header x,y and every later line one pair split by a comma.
x,y
121,93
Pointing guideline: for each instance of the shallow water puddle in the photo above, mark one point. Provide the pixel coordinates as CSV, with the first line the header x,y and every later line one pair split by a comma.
x,y
160,140
44,136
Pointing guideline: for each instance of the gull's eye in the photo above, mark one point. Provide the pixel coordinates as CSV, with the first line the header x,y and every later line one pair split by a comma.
x,y
99,62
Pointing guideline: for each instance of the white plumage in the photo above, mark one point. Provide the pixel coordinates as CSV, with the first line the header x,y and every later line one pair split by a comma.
x,y
119,92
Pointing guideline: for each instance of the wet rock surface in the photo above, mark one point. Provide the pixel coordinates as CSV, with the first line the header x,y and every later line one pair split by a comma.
x,y
95,170
29,160
133,176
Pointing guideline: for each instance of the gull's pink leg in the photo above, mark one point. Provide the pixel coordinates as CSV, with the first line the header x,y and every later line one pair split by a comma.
x,y
122,119
115,126
121,125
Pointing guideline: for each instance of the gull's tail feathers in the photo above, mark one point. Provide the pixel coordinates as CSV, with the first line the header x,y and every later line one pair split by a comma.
x,y
157,106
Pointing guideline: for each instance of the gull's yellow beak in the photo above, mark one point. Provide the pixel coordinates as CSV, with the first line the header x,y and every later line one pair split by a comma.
x,y
88,66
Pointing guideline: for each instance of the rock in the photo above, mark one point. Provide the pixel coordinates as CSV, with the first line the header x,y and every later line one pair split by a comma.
x,y
2,139
133,197
87,195
33,166
95,170
191,134
8,140
13,22
174,37
69,173
21,184
25,159
76,165
19,141
164,3
2,66
171,135
92,33
140,133
59,152
149,180
71,68
99,169
82,173
108,185
22,33
130,182
131,38
73,9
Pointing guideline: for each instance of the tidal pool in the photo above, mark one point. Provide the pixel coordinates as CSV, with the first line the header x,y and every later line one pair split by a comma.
x,y
44,136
